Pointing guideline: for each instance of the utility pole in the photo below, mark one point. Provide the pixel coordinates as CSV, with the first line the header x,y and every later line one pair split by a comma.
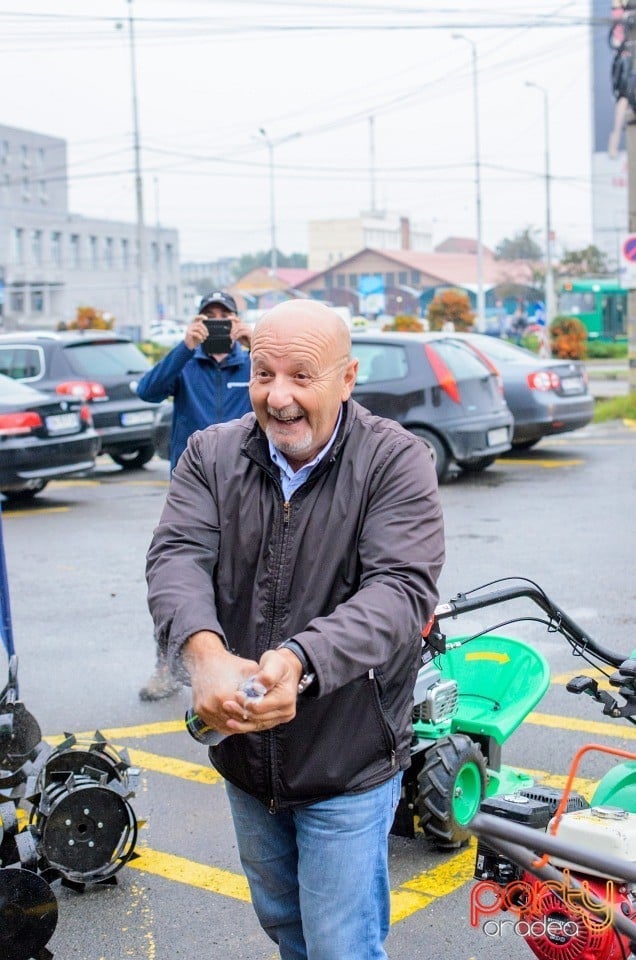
x,y
630,132
372,160
142,298
481,297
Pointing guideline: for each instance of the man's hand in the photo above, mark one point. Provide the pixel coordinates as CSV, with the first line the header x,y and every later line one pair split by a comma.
x,y
278,672
241,332
196,332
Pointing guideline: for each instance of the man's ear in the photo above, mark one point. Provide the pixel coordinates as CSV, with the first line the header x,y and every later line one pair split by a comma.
x,y
350,374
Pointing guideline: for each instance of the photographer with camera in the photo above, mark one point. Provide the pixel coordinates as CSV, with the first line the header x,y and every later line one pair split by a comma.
x,y
208,377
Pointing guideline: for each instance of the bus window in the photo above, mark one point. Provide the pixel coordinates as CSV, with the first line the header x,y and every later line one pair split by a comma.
x,y
572,303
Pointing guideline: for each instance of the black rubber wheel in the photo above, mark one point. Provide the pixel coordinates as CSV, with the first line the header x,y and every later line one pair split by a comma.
x,y
25,495
439,452
476,466
133,459
452,785
524,444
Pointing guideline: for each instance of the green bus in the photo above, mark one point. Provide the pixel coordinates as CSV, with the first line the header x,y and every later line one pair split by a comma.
x,y
601,304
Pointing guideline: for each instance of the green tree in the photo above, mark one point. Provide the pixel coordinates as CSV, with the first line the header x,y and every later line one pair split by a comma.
x,y
588,261
522,246
251,261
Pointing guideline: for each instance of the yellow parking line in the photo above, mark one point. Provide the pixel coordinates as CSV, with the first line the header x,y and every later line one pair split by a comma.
x,y
546,464
194,772
193,874
33,511
625,732
561,679
420,891
413,895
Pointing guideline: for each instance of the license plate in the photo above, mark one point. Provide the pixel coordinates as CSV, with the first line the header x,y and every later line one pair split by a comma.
x,y
497,436
136,417
62,423
572,385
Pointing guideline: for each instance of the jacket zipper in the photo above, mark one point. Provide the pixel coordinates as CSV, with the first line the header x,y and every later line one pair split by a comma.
x,y
272,806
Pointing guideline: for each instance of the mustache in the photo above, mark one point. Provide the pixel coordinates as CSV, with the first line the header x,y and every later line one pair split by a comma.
x,y
286,413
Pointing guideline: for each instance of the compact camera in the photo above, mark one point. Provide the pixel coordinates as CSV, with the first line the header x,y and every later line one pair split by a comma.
x,y
218,339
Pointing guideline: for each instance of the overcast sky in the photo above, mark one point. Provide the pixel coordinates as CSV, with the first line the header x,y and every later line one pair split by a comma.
x,y
211,74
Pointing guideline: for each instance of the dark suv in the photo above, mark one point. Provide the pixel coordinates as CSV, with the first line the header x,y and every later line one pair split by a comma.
x,y
98,367
431,384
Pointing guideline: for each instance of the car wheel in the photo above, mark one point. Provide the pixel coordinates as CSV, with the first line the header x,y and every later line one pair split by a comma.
x,y
524,444
437,448
452,784
132,459
475,466
26,494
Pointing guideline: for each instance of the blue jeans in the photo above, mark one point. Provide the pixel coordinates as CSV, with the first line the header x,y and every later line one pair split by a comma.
x,y
318,874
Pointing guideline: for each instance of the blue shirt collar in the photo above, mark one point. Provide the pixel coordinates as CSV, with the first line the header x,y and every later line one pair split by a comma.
x,y
291,479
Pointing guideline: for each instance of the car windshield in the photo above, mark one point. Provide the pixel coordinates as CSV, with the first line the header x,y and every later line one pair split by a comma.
x,y
104,359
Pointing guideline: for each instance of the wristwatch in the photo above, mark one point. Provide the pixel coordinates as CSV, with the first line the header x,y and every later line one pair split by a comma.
x,y
307,676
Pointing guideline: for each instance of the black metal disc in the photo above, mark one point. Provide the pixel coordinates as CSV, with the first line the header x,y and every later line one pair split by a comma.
x,y
90,763
25,737
89,832
28,914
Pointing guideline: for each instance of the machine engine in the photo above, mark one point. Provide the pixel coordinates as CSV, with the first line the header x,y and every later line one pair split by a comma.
x,y
553,918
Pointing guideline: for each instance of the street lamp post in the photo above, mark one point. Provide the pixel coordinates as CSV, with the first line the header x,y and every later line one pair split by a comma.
x,y
549,274
481,304
141,232
272,193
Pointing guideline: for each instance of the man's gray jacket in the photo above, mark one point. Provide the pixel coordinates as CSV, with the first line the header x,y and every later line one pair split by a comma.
x,y
347,568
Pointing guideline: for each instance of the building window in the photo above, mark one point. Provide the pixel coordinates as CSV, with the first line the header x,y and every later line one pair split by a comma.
x,y
169,256
5,187
42,197
353,280
56,248
329,281
4,151
108,253
26,188
37,301
390,279
154,254
341,280
415,277
92,243
24,155
75,250
17,238
16,301
403,278
40,157
36,247
125,254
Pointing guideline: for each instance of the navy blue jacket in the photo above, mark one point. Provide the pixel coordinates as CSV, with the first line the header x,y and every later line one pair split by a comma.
x,y
204,390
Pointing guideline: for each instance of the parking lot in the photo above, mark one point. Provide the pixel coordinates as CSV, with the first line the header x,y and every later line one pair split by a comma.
x,y
562,514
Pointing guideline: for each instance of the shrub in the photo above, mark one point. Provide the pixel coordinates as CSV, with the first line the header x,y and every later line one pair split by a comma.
x,y
568,338
606,350
405,323
451,306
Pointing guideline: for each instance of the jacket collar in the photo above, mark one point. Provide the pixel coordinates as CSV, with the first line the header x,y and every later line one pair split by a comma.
x,y
256,447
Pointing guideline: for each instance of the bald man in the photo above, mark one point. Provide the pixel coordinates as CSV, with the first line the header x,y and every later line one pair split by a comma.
x,y
299,548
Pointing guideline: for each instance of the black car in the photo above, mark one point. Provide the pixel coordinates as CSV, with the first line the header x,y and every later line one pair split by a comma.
x,y
99,367
440,390
42,438
546,395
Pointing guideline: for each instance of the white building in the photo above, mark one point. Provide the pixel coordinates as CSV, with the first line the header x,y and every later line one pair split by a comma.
x,y
52,261
331,241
